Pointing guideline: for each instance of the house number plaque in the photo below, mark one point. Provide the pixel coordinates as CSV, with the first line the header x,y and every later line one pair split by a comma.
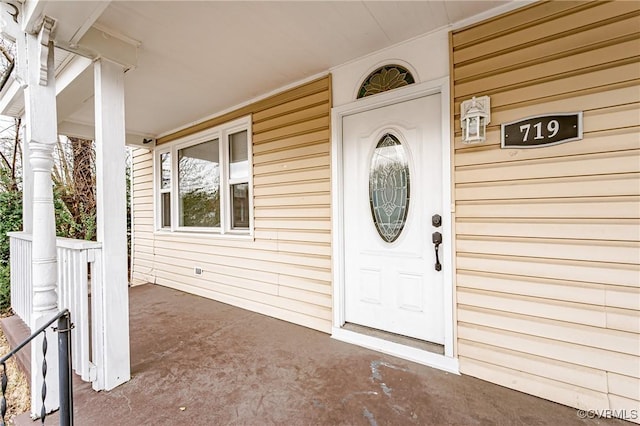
x,y
542,130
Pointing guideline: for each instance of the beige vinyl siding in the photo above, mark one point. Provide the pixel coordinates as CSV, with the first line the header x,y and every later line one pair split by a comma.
x,y
547,239
142,232
285,272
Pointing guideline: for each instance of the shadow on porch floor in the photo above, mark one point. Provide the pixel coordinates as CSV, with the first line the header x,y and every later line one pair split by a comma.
x,y
199,362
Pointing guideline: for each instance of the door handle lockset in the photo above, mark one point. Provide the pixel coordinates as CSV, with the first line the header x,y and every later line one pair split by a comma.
x,y
437,240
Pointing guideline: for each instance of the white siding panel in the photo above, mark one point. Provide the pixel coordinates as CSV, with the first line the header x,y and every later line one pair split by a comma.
x,y
583,250
548,239
551,28
142,224
573,353
626,408
315,199
285,269
294,235
574,208
318,322
488,314
572,374
581,186
623,297
555,390
576,229
623,319
570,291
589,272
577,165
626,139
576,313
625,386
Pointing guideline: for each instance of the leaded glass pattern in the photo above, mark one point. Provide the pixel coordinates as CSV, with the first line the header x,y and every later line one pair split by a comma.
x,y
389,187
385,78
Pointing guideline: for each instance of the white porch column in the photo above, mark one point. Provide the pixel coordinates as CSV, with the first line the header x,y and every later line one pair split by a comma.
x,y
27,182
27,173
41,134
111,220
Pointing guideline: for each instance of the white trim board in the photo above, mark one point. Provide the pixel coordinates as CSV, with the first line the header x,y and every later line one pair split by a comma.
x,y
447,361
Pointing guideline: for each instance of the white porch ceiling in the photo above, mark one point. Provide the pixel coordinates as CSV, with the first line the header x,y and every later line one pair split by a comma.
x,y
199,58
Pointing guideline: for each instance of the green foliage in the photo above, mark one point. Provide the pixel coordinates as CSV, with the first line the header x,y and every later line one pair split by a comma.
x,y
81,227
11,214
5,288
64,220
88,225
73,198
73,178
200,208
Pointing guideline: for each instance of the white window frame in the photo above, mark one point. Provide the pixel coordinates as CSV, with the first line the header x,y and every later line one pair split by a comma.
x,y
222,133
160,212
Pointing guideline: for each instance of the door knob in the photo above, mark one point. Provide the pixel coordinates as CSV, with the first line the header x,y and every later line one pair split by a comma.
x,y
437,240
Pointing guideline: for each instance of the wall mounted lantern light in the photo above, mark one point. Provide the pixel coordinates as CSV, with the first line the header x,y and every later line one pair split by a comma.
x,y
475,114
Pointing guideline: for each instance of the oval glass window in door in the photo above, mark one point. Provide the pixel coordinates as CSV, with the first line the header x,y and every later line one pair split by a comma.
x,y
389,187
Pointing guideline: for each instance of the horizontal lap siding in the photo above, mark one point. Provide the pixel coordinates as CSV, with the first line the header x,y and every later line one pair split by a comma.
x,y
292,199
142,224
547,239
285,271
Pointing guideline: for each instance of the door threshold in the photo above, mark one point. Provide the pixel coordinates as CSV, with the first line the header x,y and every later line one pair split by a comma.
x,y
400,350
395,338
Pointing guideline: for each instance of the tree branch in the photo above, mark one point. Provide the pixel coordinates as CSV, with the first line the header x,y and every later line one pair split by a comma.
x,y
6,53
16,145
5,160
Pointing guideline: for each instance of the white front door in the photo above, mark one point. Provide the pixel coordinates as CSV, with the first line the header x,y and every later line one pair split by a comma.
x,y
392,170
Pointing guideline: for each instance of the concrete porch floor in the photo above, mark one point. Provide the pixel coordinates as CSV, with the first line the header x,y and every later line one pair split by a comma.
x,y
199,362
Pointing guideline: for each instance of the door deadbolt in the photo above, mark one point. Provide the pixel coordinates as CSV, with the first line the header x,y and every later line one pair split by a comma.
x,y
436,220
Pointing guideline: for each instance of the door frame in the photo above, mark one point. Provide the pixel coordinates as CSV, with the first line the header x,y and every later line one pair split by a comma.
x,y
447,361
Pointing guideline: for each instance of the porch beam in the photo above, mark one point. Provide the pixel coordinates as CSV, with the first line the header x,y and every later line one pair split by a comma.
x,y
71,71
87,131
101,42
111,220
75,18
32,12
41,136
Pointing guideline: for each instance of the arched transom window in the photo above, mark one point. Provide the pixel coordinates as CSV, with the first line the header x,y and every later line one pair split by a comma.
x,y
385,78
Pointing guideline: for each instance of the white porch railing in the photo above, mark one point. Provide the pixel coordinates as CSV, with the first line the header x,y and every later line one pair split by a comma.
x,y
79,290
21,284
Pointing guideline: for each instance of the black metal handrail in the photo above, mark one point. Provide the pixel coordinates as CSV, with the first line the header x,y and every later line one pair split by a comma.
x,y
64,368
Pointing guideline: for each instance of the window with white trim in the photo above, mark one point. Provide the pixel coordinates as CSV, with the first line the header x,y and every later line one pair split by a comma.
x,y
165,190
203,181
